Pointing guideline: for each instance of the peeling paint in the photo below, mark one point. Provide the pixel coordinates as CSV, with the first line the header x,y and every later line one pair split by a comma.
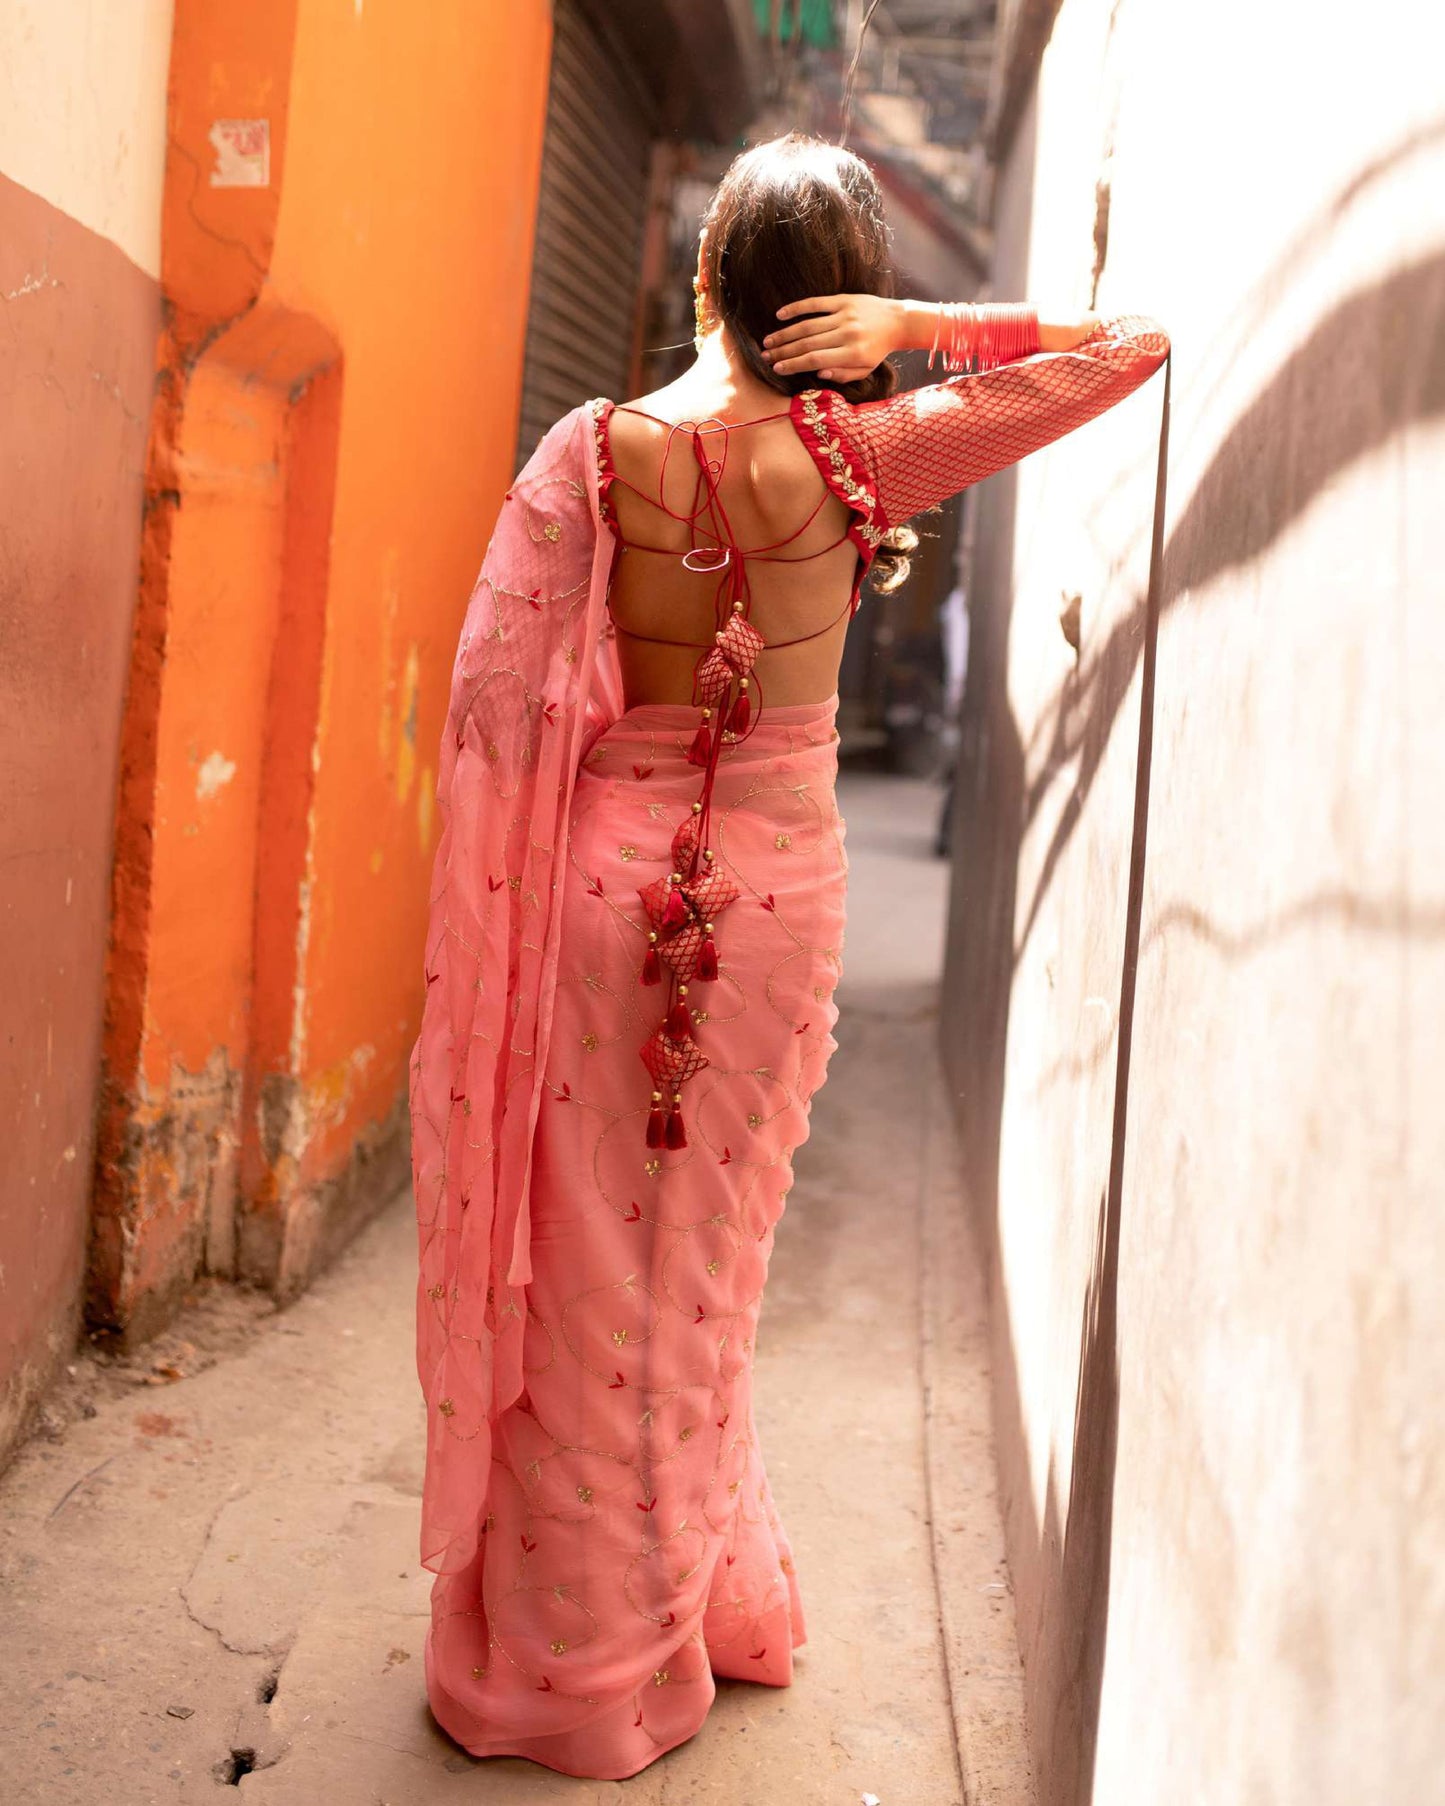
x,y
289,1114
215,773
281,1120
166,1193
298,989
330,1094
243,153
31,285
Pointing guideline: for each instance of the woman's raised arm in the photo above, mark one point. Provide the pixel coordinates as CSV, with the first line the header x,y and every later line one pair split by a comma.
x,y
923,445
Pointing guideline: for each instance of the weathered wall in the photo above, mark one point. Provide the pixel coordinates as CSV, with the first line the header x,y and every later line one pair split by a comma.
x,y
1218,1285
82,123
334,428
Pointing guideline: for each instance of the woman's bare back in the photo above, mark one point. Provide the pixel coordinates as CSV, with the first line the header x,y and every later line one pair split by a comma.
x,y
767,487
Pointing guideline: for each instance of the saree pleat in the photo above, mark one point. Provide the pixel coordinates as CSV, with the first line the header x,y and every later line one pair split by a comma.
x,y
631,1550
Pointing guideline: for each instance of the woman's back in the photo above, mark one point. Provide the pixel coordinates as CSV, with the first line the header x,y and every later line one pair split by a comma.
x,y
702,473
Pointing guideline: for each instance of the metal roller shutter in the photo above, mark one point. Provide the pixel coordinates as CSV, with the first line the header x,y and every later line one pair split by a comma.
x,y
590,217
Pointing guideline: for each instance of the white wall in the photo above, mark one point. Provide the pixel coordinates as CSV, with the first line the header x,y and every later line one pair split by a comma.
x,y
83,112
1267,1592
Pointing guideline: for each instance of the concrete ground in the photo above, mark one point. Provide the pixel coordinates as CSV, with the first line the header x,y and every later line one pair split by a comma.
x,y
208,1552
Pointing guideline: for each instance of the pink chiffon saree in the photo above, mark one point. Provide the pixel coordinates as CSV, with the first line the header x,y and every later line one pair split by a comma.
x,y
595,1507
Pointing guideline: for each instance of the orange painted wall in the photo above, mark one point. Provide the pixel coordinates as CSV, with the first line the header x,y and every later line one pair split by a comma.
x,y
336,410
431,341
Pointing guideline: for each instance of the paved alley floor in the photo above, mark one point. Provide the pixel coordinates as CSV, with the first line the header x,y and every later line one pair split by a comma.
x,y
208,1571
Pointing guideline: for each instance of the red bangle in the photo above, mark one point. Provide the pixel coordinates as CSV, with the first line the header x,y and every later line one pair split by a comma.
x,y
1015,331
982,338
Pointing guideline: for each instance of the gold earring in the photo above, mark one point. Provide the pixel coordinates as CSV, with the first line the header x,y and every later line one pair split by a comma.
x,y
703,314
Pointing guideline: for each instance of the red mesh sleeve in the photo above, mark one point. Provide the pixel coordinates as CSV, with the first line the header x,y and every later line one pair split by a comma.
x,y
928,443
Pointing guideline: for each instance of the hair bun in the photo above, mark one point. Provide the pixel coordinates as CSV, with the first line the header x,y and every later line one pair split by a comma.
x,y
892,561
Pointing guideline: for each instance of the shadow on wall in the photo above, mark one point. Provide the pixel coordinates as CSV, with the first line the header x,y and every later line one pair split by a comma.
x,y
1385,345
1287,446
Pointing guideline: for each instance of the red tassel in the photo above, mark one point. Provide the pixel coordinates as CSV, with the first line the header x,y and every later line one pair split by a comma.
x,y
675,913
679,1022
676,1134
742,709
656,1127
707,959
698,752
652,968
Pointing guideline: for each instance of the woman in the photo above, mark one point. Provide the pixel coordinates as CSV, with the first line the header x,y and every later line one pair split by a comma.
x,y
637,921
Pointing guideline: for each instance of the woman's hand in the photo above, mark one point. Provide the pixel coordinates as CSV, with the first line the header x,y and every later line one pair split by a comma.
x,y
846,338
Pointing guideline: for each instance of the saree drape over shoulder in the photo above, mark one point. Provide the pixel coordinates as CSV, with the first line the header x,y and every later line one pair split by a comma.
x,y
636,931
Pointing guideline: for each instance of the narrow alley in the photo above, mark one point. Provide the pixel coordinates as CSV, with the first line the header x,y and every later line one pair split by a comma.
x,y
209,1550
1085,466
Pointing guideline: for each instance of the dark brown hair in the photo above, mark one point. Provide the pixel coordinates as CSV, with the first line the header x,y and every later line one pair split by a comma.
x,y
794,217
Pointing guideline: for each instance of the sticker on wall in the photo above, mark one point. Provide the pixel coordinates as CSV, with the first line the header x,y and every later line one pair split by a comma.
x,y
243,153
